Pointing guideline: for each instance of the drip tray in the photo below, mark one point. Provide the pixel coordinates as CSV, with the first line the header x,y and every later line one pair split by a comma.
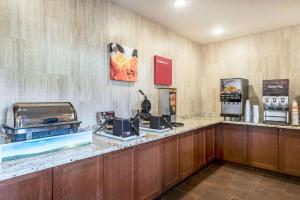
x,y
107,134
155,130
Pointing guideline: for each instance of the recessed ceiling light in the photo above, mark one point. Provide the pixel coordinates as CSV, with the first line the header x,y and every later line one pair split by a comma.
x,y
218,31
179,3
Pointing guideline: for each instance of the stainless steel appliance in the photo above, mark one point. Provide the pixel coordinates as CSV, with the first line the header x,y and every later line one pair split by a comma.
x,y
26,121
167,104
276,101
126,127
233,95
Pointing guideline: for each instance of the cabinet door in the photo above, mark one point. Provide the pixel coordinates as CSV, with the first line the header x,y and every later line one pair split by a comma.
x,y
209,144
186,155
169,160
289,151
219,142
235,143
79,180
119,175
199,148
35,186
148,171
263,147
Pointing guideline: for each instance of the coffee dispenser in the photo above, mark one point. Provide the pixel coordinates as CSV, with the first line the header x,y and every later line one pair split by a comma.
x,y
233,95
167,102
276,101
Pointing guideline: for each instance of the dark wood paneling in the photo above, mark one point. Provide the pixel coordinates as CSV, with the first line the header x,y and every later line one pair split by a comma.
x,y
235,143
186,154
219,142
79,180
289,151
35,186
209,144
149,183
199,148
119,173
263,147
169,159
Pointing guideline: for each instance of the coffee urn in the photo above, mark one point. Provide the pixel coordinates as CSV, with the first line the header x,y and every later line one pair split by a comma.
x,y
167,102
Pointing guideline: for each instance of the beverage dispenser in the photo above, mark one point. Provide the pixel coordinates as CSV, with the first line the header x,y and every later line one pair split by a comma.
x,y
167,102
276,101
233,95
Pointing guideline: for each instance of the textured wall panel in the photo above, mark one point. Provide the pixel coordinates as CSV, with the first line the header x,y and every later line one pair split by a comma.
x,y
271,55
56,50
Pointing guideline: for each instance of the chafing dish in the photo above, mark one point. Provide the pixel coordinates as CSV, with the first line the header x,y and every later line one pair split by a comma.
x,y
26,121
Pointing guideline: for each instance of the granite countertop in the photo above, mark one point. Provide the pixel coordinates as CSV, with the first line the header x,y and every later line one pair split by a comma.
x,y
261,124
99,146
102,145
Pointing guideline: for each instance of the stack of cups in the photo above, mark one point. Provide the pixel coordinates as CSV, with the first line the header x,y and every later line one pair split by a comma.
x,y
255,114
295,114
248,111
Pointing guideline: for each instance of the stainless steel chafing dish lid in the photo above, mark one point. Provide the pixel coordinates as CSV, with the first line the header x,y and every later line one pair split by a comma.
x,y
40,114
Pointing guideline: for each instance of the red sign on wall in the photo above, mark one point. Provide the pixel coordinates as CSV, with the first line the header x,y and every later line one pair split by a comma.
x,y
162,71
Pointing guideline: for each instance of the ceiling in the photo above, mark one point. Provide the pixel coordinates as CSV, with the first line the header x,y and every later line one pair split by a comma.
x,y
198,18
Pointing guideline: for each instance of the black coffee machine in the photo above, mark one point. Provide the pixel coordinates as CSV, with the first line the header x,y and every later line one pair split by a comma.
x,y
110,124
160,122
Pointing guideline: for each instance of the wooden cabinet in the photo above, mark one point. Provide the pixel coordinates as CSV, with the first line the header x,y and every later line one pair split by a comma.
x,y
186,155
35,186
289,151
219,141
145,171
209,144
199,148
169,161
79,180
235,143
148,170
119,173
263,147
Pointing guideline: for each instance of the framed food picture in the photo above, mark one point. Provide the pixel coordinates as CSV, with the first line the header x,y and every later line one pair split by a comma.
x,y
123,63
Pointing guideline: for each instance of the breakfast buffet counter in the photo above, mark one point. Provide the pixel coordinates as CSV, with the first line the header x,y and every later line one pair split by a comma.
x,y
100,145
103,145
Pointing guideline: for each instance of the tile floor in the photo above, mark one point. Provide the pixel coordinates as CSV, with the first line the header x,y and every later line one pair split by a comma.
x,y
231,182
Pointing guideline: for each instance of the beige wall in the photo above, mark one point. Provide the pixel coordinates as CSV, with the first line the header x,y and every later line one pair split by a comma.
x,y
270,55
56,50
53,50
